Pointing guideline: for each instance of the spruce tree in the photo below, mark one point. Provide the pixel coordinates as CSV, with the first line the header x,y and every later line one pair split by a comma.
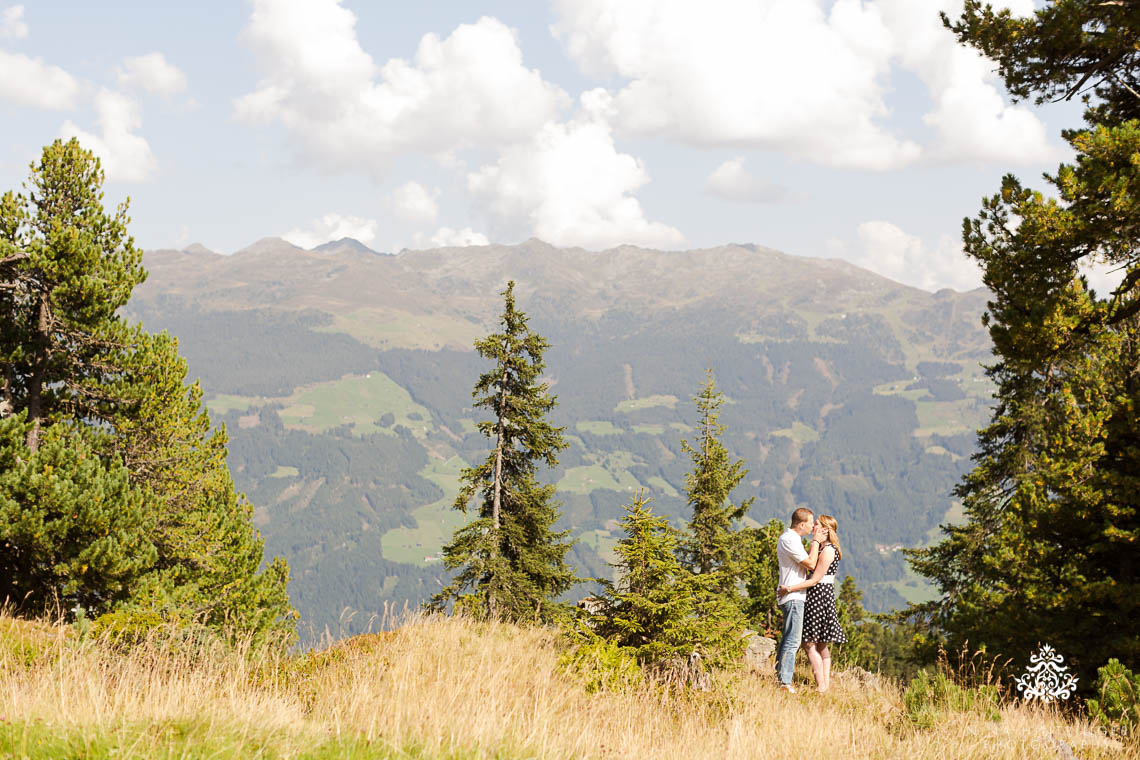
x,y
713,542
511,561
1047,552
762,576
657,608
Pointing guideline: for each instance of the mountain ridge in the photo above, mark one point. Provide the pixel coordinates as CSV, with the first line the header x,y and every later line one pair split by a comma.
x,y
343,378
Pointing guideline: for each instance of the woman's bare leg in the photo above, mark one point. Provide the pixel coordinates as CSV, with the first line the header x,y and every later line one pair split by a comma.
x,y
824,652
816,663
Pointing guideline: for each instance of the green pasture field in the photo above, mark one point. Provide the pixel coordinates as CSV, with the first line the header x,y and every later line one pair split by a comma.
x,y
398,329
359,401
798,432
593,477
601,541
661,485
435,522
950,417
649,402
598,427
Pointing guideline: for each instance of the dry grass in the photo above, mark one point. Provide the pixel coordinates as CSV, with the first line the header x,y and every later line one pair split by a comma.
x,y
440,687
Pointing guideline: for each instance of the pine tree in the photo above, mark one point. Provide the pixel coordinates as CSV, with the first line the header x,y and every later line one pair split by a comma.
x,y
657,608
73,531
133,511
208,552
66,268
1053,504
511,562
713,543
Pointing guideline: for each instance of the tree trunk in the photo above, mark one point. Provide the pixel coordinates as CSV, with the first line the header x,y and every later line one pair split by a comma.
x,y
497,484
497,489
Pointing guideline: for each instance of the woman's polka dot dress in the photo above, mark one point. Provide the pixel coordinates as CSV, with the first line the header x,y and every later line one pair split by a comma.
x,y
821,619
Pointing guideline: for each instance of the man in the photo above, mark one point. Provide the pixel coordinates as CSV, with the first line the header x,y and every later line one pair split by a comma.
x,y
795,566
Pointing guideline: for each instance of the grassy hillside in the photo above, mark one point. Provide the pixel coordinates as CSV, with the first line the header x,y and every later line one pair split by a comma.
x,y
344,379
450,688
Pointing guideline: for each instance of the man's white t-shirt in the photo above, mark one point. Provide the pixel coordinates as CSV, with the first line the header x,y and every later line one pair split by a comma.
x,y
789,553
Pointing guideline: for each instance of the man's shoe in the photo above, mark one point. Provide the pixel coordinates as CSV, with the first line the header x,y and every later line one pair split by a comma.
x,y
788,688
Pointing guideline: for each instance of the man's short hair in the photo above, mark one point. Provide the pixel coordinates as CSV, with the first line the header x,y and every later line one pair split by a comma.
x,y
801,515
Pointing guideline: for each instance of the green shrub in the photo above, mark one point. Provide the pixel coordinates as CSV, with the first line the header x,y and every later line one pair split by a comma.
x,y
602,665
927,696
1118,709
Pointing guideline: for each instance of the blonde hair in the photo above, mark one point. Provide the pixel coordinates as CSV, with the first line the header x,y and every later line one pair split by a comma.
x,y
832,533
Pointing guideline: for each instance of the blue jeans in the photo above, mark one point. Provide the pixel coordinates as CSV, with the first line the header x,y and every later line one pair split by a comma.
x,y
790,642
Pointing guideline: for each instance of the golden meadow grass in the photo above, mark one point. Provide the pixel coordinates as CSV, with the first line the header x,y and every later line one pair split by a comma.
x,y
453,688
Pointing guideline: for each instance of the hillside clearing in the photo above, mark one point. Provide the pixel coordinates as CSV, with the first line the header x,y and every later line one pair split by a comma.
x,y
452,688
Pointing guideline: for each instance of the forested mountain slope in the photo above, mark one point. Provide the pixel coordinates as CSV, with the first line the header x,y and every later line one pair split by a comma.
x,y
344,377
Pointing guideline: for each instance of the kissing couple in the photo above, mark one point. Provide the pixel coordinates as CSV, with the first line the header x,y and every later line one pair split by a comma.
x,y
806,596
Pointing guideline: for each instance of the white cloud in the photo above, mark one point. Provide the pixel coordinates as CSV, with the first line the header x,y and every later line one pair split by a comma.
x,y
1103,278
888,250
778,74
807,77
345,111
413,202
332,226
445,237
31,82
126,156
152,73
12,24
970,118
570,187
732,182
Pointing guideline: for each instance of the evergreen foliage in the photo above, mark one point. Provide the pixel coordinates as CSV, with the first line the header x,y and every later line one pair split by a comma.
x,y
763,577
1117,707
658,609
510,557
74,532
66,267
117,500
713,544
1048,547
859,649
208,551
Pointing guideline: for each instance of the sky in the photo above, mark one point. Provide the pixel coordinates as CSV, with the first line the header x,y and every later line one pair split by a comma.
x,y
854,129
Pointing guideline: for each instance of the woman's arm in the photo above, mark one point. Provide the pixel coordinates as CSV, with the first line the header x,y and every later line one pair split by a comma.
x,y
821,566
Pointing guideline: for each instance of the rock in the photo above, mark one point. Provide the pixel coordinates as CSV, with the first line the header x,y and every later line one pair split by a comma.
x,y
591,605
759,651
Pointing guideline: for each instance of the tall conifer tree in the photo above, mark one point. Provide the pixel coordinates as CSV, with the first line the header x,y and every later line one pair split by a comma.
x,y
66,268
1048,550
713,542
511,561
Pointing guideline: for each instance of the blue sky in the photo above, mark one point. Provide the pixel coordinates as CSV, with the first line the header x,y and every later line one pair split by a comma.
x,y
839,128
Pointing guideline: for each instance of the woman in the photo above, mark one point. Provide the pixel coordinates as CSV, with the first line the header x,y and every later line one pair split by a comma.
x,y
821,619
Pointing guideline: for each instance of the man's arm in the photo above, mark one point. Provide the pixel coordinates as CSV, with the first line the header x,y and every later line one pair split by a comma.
x,y
816,576
812,558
